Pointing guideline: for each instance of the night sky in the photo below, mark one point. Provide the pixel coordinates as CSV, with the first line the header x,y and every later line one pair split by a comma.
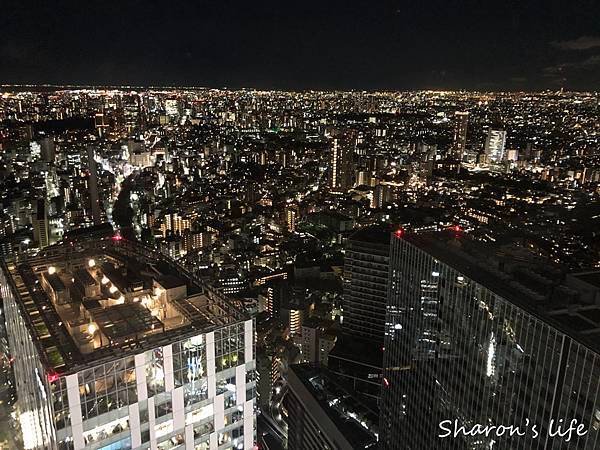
x,y
330,44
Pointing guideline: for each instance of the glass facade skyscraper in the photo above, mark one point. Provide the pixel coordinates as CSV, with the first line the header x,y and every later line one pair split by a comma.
x,y
468,344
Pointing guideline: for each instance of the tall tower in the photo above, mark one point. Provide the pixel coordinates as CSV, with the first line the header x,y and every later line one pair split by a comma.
x,y
461,122
495,145
357,357
366,264
48,150
41,230
342,161
291,217
94,196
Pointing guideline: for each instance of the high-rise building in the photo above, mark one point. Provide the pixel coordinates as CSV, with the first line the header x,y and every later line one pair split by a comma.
x,y
291,216
366,264
131,112
342,161
94,194
231,281
120,348
461,123
101,124
48,149
476,336
175,223
324,414
382,195
495,145
357,357
41,227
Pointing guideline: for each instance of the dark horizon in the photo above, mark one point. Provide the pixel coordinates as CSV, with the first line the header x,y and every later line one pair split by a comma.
x,y
392,45
50,87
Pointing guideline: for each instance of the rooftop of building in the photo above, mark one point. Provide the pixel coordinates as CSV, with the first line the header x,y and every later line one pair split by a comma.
x,y
355,421
591,278
514,272
88,302
375,234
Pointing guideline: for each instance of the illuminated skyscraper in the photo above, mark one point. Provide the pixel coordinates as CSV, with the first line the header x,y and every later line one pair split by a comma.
x,y
291,217
495,145
469,339
94,194
131,109
342,161
461,122
119,348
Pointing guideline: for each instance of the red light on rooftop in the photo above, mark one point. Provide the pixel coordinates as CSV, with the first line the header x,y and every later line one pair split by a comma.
x,y
52,377
399,233
117,237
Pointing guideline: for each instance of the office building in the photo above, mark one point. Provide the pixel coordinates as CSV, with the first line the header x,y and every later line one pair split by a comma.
x,y
495,145
461,123
324,414
482,334
121,348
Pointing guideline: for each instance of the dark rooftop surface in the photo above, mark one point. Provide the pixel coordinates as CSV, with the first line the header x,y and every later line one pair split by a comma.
x,y
476,260
592,278
170,281
374,234
361,351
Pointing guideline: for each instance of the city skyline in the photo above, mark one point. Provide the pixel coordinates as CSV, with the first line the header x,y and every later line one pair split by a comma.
x,y
227,269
